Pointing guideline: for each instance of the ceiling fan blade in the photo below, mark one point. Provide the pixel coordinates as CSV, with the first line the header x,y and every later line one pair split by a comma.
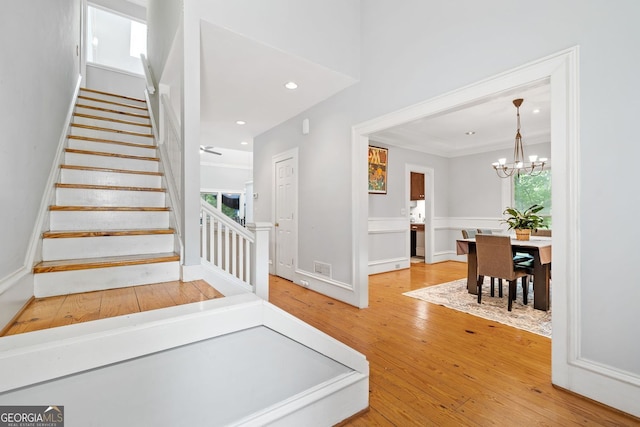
x,y
208,149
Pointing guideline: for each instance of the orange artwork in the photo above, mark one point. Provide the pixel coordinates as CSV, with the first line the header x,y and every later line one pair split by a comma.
x,y
378,158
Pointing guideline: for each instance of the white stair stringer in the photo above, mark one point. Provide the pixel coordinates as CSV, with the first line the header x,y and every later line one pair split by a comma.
x,y
109,226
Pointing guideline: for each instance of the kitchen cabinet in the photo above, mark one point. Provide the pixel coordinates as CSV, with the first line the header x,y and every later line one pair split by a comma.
x,y
417,186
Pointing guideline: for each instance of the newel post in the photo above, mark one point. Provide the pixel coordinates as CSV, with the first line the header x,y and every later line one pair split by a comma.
x,y
260,258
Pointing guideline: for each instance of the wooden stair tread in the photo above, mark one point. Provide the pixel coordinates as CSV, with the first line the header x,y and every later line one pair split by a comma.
x,y
111,141
101,92
105,233
109,119
109,187
112,170
116,261
109,208
121,104
101,129
102,153
109,110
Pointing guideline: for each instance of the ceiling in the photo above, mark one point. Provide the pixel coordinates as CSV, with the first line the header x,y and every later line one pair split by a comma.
x,y
492,119
242,79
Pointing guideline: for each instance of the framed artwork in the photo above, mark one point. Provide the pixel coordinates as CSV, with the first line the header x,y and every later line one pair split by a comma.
x,y
378,159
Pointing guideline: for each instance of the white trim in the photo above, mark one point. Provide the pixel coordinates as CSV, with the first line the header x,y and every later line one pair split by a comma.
x,y
49,193
387,224
391,264
359,214
321,280
429,189
114,70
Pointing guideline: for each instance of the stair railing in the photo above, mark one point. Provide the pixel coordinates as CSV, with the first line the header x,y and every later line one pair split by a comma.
x,y
241,253
170,145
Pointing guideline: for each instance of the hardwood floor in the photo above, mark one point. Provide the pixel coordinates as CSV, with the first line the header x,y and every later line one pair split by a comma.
x,y
43,313
429,365
433,366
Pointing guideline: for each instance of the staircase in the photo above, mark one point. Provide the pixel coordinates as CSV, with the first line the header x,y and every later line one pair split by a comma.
x,y
109,224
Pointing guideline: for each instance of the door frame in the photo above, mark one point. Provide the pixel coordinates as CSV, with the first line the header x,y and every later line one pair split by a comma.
x,y
285,155
561,70
429,188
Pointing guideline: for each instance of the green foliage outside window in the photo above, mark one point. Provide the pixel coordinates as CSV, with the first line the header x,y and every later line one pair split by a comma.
x,y
212,199
531,190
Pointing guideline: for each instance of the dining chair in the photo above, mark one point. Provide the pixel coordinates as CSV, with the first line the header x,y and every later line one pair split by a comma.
x,y
484,231
470,234
521,258
495,259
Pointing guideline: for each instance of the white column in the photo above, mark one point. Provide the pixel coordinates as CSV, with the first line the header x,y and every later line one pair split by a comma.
x,y
191,135
260,258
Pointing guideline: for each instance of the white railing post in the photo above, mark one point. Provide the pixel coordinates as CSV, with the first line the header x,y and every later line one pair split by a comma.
x,y
260,259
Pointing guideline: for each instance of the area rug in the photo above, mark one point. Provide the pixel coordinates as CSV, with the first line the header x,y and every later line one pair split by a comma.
x,y
454,295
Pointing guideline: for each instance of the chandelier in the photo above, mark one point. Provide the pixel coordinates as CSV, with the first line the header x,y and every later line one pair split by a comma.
x,y
518,166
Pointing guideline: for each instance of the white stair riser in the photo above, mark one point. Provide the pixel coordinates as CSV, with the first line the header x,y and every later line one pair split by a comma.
x,y
75,176
110,162
93,197
113,136
107,220
105,246
112,125
106,147
68,282
111,115
106,97
94,103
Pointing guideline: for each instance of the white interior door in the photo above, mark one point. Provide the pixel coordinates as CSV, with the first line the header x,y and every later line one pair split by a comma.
x,y
285,206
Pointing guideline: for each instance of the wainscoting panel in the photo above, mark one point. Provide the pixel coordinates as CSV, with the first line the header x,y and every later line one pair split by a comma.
x,y
388,244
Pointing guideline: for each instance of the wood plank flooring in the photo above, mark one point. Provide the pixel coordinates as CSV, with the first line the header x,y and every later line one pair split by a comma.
x,y
430,365
433,366
43,313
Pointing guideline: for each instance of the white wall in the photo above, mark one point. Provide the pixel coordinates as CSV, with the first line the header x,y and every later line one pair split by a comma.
x,y
164,18
39,74
114,81
228,172
415,50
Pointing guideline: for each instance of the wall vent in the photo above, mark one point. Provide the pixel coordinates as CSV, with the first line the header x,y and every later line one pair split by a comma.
x,y
322,268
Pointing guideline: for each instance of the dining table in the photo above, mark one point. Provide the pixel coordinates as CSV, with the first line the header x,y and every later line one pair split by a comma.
x,y
539,247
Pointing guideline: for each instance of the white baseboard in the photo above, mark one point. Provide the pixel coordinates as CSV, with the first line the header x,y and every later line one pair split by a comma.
x,y
383,266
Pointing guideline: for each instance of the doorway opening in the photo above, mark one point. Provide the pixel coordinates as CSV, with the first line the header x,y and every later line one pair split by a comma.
x,y
561,70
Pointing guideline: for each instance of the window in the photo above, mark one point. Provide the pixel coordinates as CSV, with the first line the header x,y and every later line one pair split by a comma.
x,y
230,206
115,41
530,190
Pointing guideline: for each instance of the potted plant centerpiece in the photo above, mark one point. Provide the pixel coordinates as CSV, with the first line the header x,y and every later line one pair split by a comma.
x,y
524,221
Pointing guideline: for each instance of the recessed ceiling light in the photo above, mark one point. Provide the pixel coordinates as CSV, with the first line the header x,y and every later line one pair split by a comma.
x,y
536,111
241,122
470,133
244,143
291,85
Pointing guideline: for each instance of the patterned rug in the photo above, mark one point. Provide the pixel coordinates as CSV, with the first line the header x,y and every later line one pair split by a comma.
x,y
454,295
